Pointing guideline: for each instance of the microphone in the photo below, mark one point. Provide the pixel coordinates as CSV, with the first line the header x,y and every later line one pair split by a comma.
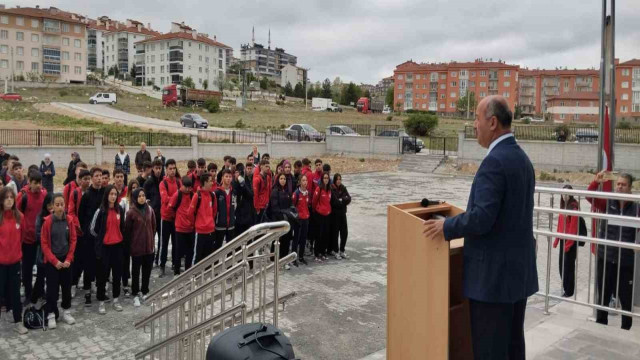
x,y
426,202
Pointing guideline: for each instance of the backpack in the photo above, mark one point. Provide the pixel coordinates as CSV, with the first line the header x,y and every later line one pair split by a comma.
x,y
34,318
213,196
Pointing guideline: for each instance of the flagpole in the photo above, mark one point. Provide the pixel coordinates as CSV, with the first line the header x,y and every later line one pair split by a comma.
x,y
612,87
602,82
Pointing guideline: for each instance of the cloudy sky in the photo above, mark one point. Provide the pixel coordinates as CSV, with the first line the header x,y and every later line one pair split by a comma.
x,y
363,41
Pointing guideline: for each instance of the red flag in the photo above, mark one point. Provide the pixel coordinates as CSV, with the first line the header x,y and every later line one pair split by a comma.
x,y
607,186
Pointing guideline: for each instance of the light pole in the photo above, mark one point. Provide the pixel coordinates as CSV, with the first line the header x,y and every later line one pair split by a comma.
x,y
306,87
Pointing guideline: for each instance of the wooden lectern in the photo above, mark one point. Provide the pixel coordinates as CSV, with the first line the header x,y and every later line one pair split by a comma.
x,y
427,316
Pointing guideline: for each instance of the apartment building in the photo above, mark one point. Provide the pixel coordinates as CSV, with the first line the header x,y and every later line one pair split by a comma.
x,y
293,75
119,43
628,90
261,61
380,90
536,86
438,86
183,52
574,106
36,42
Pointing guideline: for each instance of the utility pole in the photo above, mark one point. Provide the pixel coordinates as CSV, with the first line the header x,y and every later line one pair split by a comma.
x,y
468,103
13,76
306,87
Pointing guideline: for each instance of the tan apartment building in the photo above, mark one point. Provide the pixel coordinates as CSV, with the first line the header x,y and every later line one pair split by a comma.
x,y
119,43
574,107
437,87
42,43
536,86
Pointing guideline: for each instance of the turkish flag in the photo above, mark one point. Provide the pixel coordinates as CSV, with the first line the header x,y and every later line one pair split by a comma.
x,y
607,186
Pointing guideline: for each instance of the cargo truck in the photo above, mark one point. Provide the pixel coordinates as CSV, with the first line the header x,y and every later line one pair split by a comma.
x,y
175,94
366,105
322,104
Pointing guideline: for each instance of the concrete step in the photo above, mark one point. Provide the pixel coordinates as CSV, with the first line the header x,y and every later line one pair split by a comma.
x,y
420,163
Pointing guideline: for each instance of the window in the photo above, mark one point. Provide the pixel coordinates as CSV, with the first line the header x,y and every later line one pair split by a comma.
x,y
220,53
505,94
625,72
206,59
4,64
399,86
454,74
418,77
424,96
483,73
4,34
162,80
153,58
200,69
442,96
441,106
189,43
417,96
561,103
20,21
483,94
153,47
35,52
4,19
35,38
424,106
506,84
65,69
443,86
417,86
77,70
625,84
623,109
424,86
473,74
65,55
153,69
35,66
77,43
20,51
65,27
34,24
452,105
576,117
20,36
77,29
472,84
507,73
483,84
20,65
625,96
562,116
400,77
453,94
162,69
189,55
77,56
4,49
399,96
454,84
463,73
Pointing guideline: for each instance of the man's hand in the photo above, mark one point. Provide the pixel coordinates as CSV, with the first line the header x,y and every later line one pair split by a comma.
x,y
66,264
600,177
59,265
433,228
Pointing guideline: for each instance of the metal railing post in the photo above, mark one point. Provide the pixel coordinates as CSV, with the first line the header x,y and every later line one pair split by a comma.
x,y
547,285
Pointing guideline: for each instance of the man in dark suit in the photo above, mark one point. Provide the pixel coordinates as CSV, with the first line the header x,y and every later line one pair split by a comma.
x,y
499,249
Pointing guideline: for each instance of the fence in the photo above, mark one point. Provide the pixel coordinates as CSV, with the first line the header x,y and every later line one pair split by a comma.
x,y
45,137
296,135
575,133
602,263
112,138
236,284
382,128
232,137
360,129
442,145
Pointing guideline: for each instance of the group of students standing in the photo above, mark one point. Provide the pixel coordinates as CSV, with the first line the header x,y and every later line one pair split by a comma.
x,y
104,231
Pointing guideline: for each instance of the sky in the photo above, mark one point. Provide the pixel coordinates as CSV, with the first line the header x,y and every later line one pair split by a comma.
x,y
363,41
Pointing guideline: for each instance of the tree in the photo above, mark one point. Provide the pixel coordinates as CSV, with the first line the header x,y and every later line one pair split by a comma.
x,y
420,124
288,90
205,84
264,83
188,82
150,82
350,94
132,73
367,94
311,92
468,99
388,98
298,91
326,89
116,71
235,68
272,84
518,113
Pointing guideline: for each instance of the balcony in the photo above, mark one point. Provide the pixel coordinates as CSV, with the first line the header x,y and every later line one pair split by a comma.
x,y
175,68
51,29
493,75
51,55
51,69
527,85
584,83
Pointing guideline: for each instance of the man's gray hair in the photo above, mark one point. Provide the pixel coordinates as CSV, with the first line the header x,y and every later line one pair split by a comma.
x,y
499,108
628,177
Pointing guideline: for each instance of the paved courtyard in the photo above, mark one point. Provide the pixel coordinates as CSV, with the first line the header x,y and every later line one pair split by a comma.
x,y
340,308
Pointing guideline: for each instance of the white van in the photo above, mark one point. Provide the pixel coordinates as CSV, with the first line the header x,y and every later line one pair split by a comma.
x,y
103,98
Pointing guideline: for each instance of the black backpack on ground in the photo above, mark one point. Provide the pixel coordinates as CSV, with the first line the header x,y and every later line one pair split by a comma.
x,y
250,341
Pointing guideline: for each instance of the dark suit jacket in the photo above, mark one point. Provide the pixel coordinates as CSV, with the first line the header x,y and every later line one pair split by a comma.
x,y
499,248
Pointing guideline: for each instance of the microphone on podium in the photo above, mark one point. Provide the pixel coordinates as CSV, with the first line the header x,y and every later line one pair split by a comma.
x,y
426,202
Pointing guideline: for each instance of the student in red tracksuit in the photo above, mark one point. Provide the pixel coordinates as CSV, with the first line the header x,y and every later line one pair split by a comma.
x,y
227,199
262,190
203,209
29,202
322,208
301,201
180,203
68,189
311,187
58,237
11,232
107,227
168,187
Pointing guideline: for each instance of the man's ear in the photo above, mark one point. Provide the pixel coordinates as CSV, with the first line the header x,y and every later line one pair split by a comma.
x,y
493,123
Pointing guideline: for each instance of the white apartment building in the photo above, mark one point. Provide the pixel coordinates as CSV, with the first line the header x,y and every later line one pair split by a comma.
x,y
170,58
42,42
293,75
119,43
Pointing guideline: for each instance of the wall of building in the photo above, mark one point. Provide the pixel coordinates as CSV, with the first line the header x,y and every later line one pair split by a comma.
x,y
549,155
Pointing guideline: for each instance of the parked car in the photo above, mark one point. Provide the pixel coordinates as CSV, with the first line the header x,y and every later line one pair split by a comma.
x,y
103,98
341,130
194,121
11,97
386,110
408,143
587,135
304,132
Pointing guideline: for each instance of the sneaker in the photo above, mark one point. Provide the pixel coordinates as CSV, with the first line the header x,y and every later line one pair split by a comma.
x,y
162,273
127,292
331,253
101,309
51,321
325,258
74,291
34,270
287,267
20,329
338,257
136,301
67,318
304,261
344,255
107,299
87,299
319,259
116,305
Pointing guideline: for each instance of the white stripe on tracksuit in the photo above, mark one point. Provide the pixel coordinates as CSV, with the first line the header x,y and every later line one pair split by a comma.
x,y
195,247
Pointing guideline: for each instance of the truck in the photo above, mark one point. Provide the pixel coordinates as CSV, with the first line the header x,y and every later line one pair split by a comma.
x,y
366,105
322,104
175,94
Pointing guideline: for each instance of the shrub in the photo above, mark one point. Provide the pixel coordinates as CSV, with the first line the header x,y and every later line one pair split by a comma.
x,y
212,105
63,93
563,127
362,160
283,126
526,121
545,176
240,124
389,117
624,125
421,124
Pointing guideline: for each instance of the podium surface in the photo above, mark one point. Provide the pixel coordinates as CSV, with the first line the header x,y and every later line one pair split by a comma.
x,y
427,316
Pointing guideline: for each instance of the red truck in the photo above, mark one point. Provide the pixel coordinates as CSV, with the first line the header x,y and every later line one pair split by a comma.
x,y
175,94
365,105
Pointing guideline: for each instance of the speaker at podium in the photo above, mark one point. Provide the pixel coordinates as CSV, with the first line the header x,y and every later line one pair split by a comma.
x,y
427,315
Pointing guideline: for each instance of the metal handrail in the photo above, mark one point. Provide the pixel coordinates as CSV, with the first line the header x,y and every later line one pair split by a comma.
x,y
586,239
588,193
595,215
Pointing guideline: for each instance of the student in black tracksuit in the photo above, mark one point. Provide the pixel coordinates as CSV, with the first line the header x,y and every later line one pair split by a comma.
x,y
226,216
279,203
89,203
245,212
152,191
340,199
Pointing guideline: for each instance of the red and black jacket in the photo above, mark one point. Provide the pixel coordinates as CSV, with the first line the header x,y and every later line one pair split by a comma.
x,y
226,203
302,203
261,191
168,187
46,239
11,232
180,203
322,201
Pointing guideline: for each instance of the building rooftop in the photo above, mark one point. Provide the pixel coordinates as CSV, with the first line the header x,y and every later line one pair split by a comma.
x,y
45,13
576,95
413,66
559,72
185,36
632,62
